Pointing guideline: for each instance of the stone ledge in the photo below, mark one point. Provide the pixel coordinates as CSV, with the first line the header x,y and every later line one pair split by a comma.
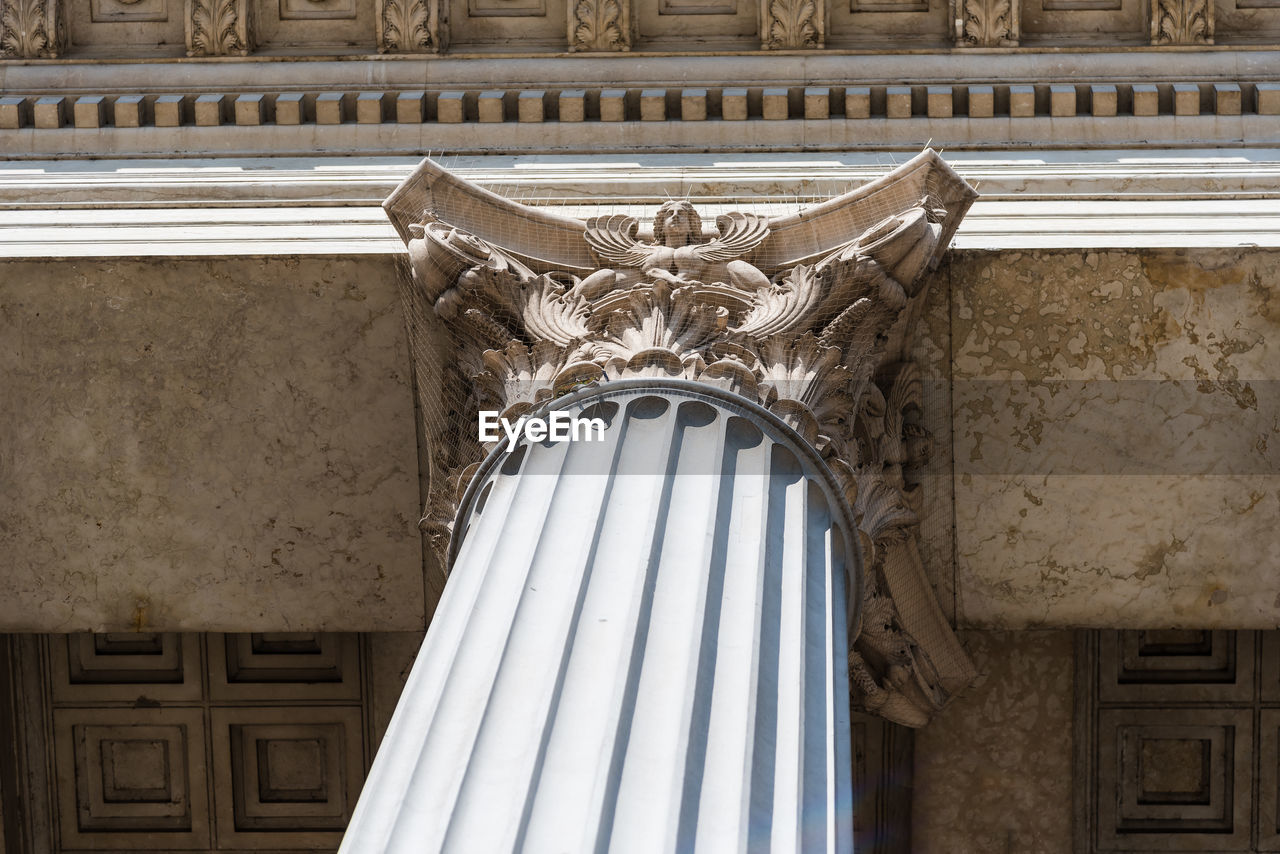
x,y
229,207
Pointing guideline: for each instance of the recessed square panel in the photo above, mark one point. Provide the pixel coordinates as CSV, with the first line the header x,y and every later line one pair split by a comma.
x,y
889,6
90,667
109,11
131,779
506,8
292,774
1174,779
282,666
301,10
1176,666
698,7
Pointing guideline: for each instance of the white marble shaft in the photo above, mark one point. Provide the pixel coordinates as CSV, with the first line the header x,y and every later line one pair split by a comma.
x,y
642,647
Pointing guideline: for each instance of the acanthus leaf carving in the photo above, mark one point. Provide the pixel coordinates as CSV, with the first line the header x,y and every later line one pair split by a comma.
x,y
599,25
807,339
32,29
410,26
791,24
218,28
1181,22
986,23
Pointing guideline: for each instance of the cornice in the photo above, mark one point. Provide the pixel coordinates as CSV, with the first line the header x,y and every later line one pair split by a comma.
x,y
824,102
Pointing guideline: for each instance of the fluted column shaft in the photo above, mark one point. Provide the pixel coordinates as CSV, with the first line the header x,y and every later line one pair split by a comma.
x,y
642,646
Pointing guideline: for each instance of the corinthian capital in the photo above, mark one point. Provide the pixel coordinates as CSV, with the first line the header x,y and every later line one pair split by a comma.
x,y
805,315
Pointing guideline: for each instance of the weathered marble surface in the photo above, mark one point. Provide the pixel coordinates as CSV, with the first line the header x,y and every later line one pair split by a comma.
x,y
222,445
993,770
1116,449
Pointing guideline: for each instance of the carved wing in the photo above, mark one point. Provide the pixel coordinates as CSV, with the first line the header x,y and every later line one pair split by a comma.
x,y
613,237
739,234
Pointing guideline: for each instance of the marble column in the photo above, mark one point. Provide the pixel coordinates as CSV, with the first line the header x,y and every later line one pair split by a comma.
x,y
644,643
642,646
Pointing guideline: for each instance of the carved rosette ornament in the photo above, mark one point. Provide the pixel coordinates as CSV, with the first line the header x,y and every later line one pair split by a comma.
x,y
600,25
792,24
1181,22
32,29
219,27
986,23
807,315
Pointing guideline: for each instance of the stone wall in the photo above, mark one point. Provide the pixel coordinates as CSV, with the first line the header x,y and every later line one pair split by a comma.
x,y
1114,418
993,772
222,444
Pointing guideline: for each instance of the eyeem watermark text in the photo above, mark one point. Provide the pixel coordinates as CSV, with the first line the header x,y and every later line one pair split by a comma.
x,y
554,427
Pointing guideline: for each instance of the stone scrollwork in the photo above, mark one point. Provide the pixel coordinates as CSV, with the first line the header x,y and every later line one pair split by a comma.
x,y
599,25
791,24
792,313
410,26
218,28
1181,22
32,29
986,23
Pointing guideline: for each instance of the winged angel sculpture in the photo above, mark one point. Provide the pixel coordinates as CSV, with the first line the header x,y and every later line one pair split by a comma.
x,y
677,253
810,315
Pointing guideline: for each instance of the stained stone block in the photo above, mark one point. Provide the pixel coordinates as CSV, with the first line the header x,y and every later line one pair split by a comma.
x,y
489,105
817,102
898,102
450,108
1103,100
938,102
531,106
309,470
11,112
1062,100
208,110
50,112
1226,99
289,108
653,105
369,108
857,102
1146,100
1022,101
90,112
982,102
573,105
251,109
733,104
1267,99
774,104
693,105
329,109
613,105
1186,99
411,108
169,111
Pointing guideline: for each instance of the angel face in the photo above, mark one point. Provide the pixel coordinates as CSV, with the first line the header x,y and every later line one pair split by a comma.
x,y
677,224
